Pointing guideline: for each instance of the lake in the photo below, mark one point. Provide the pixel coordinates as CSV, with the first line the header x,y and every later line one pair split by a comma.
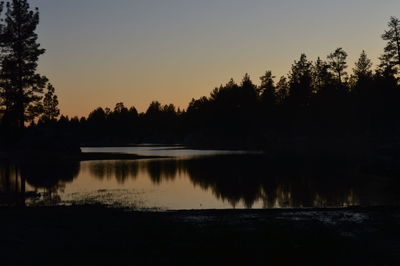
x,y
195,179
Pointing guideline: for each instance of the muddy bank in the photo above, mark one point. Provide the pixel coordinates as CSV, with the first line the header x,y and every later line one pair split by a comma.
x,y
94,235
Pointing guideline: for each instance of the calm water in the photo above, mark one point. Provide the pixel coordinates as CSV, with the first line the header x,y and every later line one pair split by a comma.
x,y
195,179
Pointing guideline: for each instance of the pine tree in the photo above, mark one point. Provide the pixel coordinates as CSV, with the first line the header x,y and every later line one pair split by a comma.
x,y
386,67
321,75
362,69
338,64
392,36
267,90
247,96
282,90
50,104
22,85
248,86
300,81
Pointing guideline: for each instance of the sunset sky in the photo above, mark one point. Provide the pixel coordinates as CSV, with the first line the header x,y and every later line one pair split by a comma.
x,y
100,52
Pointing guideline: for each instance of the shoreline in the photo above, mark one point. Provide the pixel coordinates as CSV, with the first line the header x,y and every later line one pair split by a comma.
x,y
89,156
212,212
95,235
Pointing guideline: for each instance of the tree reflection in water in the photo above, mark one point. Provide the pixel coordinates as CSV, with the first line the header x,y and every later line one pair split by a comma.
x,y
11,186
46,179
237,179
121,170
247,179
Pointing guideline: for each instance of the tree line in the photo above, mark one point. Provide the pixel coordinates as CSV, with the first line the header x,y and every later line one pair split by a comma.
x,y
320,98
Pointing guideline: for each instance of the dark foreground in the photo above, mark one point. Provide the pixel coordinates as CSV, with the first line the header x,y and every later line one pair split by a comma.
x,y
100,236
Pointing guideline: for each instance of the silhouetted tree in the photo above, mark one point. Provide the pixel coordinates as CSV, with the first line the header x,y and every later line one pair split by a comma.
x,y
268,99
364,93
282,90
248,94
392,36
64,120
386,67
300,81
97,122
154,109
338,64
21,51
97,116
50,104
362,69
120,108
267,90
198,114
322,78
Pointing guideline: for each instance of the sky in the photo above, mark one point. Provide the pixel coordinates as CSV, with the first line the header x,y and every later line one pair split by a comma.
x,y
100,52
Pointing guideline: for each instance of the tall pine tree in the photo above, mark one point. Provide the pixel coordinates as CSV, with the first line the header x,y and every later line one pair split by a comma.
x,y
22,85
300,81
392,36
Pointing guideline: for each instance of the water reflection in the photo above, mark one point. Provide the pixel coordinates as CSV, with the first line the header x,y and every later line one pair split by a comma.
x,y
30,180
120,170
250,181
12,187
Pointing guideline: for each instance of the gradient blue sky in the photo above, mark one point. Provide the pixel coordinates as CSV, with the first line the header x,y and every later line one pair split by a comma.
x,y
100,52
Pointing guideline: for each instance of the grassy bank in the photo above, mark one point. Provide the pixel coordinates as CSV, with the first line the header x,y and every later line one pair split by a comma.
x,y
98,236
